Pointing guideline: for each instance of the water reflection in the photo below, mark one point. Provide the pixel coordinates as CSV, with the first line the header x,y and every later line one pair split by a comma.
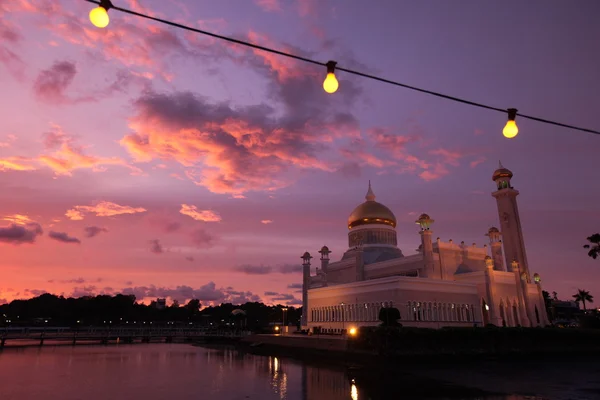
x,y
159,371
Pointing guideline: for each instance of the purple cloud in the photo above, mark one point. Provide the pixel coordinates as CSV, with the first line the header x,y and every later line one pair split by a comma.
x,y
156,247
91,231
18,234
51,83
63,237
206,293
202,238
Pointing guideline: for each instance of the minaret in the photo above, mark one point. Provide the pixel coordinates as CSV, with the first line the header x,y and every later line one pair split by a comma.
x,y
496,248
324,258
425,222
510,223
305,283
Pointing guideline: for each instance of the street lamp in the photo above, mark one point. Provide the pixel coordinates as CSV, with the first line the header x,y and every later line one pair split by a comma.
x,y
283,310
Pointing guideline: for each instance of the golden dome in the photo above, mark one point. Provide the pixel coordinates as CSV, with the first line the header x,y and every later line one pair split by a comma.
x,y
502,172
371,212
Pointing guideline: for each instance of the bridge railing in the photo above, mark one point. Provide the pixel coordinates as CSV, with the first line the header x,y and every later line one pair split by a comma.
x,y
36,332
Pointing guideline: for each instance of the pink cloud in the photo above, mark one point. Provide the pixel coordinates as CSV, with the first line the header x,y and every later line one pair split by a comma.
x,y
18,219
16,164
102,209
476,162
438,171
199,215
231,150
69,157
266,221
10,139
449,156
269,5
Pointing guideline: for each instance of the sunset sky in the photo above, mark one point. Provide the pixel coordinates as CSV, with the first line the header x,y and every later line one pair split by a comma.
x,y
148,160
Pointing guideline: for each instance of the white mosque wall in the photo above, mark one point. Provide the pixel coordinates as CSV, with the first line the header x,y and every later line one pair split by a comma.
x,y
421,302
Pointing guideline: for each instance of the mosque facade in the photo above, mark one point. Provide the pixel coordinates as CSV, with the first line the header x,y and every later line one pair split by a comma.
x,y
443,284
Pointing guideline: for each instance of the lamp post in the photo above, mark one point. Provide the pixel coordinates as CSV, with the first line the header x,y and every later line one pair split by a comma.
x,y
283,310
343,317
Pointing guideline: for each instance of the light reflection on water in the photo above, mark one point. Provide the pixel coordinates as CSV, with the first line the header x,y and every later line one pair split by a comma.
x,y
163,371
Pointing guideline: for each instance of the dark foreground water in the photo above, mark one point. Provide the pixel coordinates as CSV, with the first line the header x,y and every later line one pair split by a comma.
x,y
183,372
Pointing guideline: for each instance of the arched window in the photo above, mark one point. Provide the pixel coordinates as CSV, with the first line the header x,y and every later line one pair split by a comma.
x,y
502,313
485,312
537,315
516,314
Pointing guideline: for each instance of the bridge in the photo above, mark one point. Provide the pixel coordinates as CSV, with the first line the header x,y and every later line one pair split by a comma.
x,y
112,334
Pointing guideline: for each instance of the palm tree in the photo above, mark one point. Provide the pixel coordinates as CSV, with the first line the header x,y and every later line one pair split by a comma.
x,y
583,296
595,247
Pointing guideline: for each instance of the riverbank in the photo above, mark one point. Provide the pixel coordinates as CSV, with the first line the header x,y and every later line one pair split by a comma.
x,y
426,346
554,374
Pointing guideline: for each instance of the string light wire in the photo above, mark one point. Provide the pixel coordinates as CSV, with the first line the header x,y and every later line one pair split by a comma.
x,y
338,68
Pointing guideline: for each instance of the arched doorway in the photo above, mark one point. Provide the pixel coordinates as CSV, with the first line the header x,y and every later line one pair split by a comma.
x,y
502,313
516,315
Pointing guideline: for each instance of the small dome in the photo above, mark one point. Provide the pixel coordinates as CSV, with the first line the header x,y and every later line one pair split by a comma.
x,y
502,172
306,255
493,229
324,249
371,212
487,258
536,277
424,216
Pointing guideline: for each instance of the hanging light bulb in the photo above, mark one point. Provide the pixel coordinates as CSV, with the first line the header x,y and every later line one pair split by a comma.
x,y
99,15
510,129
330,84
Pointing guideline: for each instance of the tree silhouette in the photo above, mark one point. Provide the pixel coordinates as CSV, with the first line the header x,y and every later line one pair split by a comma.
x,y
548,304
389,316
124,310
583,296
594,247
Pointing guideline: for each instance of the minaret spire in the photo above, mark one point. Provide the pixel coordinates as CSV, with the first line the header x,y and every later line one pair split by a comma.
x,y
370,195
500,166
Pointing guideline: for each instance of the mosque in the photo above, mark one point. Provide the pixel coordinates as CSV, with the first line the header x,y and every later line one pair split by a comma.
x,y
443,284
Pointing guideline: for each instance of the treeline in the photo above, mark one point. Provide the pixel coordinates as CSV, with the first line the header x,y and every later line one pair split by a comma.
x,y
52,310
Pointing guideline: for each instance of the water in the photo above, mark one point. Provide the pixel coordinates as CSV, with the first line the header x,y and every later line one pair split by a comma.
x,y
182,372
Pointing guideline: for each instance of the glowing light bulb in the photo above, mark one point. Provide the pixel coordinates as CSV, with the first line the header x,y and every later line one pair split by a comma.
x,y
99,17
331,84
510,129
